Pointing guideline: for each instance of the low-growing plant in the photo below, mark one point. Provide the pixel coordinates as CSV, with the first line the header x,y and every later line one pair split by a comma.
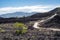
x,y
1,30
21,28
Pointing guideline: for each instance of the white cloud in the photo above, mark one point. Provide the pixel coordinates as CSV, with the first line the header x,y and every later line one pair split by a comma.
x,y
37,8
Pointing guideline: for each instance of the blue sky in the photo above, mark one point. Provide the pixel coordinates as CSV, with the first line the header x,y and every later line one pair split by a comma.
x,y
26,4
16,3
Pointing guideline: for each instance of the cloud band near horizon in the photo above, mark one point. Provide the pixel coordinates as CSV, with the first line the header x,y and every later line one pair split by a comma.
x,y
36,8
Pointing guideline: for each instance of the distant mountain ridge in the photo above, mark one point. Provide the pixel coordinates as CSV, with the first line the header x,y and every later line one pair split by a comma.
x,y
16,14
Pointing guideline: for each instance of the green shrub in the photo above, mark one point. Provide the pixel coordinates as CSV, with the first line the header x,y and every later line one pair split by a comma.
x,y
22,26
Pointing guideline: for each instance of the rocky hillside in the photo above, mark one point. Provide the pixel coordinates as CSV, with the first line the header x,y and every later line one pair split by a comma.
x,y
53,22
9,33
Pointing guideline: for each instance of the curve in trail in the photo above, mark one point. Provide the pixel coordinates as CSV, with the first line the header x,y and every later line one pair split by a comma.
x,y
37,23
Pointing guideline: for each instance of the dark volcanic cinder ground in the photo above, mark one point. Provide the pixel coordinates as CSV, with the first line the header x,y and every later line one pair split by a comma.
x,y
32,34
